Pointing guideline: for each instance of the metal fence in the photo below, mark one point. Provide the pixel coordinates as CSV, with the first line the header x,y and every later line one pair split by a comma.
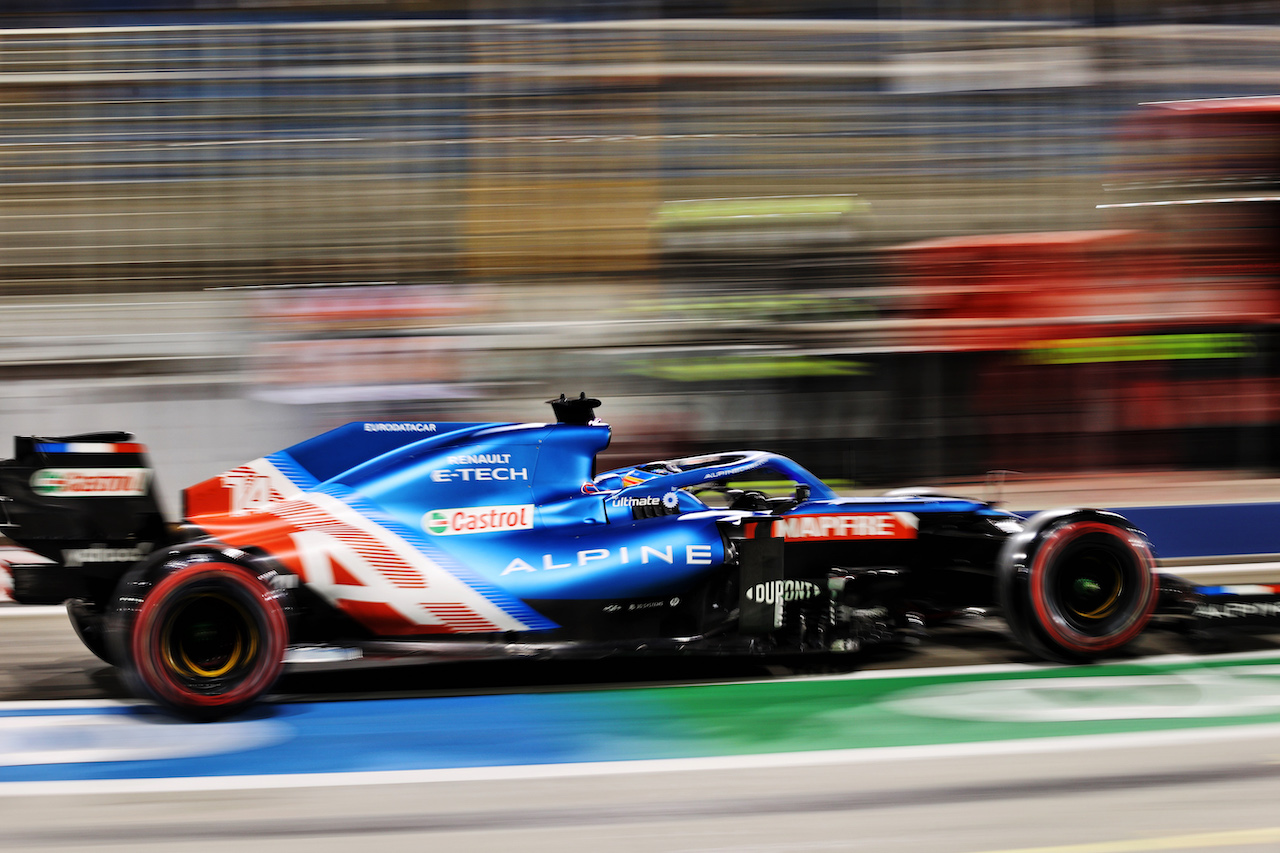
x,y
518,172
178,157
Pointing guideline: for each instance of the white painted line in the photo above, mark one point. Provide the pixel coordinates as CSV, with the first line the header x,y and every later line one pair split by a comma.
x,y
68,704
1193,573
867,755
19,610
43,739
1198,841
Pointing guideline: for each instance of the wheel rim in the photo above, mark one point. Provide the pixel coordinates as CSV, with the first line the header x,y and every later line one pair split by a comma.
x,y
1091,587
208,636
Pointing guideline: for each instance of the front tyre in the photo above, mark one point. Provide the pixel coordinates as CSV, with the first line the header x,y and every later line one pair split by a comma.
x,y
1077,584
205,639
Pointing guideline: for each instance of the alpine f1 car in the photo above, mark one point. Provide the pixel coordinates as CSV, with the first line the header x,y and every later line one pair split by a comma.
x,y
490,540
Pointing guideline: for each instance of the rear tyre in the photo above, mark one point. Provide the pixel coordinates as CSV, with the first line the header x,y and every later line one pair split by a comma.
x,y
1077,584
205,639
89,625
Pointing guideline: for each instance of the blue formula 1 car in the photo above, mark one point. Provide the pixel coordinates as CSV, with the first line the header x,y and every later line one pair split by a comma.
x,y
483,540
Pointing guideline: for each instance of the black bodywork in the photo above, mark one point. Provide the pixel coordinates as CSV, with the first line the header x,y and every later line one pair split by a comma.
x,y
90,540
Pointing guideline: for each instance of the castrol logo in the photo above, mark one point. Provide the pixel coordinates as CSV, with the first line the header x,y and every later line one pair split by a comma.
x,y
91,482
478,519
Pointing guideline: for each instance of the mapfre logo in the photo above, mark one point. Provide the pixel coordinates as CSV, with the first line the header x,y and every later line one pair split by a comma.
x,y
91,482
870,525
478,519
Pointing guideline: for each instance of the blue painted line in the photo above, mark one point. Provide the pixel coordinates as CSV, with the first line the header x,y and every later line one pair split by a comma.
x,y
1210,530
1205,530
61,709
360,736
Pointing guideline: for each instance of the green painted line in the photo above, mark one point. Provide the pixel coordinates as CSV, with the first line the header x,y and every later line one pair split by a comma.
x,y
939,708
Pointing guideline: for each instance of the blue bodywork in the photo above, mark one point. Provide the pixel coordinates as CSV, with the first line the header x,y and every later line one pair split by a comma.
x,y
563,532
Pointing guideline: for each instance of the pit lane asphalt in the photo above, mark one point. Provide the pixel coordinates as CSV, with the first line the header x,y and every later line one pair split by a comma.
x,y
1186,790
42,659
1107,798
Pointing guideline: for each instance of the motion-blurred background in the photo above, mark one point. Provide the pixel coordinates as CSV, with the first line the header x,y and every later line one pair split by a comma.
x,y
897,240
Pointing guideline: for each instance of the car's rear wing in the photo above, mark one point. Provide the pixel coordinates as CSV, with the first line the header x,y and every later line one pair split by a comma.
x,y
86,504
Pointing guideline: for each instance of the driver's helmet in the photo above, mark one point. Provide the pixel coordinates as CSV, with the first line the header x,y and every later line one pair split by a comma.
x,y
614,480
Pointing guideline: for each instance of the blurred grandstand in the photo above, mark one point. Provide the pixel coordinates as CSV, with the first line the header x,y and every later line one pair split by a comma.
x,y
867,236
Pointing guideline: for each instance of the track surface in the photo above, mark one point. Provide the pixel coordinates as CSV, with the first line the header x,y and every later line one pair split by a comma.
x,y
1200,796
1119,785
43,660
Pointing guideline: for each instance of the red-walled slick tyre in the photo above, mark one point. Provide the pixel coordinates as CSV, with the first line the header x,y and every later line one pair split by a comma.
x,y
205,638
1077,584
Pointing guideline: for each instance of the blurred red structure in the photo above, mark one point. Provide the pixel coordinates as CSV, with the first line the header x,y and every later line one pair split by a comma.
x,y
1016,291
1136,344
